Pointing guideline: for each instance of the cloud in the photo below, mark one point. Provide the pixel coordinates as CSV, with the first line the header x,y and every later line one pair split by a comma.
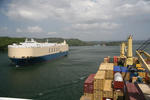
x,y
79,10
3,29
80,17
51,33
30,29
93,26
18,30
109,25
85,26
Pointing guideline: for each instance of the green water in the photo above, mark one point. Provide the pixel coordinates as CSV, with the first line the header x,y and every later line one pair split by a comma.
x,y
60,79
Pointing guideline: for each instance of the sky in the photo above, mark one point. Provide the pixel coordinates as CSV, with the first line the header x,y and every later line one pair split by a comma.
x,y
88,20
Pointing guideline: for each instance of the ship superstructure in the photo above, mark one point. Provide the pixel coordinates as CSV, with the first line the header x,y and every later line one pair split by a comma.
x,y
31,51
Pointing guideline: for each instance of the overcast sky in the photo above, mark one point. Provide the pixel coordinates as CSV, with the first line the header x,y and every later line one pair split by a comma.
x,y
89,20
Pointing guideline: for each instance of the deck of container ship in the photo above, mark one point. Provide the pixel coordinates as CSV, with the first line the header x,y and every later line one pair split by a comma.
x,y
121,77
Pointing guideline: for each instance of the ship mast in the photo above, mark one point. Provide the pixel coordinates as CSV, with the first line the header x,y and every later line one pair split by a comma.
x,y
122,50
129,60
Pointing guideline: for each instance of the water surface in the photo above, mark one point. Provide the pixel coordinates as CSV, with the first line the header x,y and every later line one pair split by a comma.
x,y
60,79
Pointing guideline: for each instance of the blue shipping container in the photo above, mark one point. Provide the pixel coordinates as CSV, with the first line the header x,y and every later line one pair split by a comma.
x,y
117,69
124,69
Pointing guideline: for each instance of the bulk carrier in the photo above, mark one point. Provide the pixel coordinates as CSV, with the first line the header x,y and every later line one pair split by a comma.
x,y
121,77
32,52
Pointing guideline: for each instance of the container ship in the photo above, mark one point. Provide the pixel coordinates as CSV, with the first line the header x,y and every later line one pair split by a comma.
x,y
121,77
31,51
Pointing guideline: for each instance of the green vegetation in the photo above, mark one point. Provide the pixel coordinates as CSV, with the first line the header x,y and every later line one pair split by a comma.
x,y
5,41
113,43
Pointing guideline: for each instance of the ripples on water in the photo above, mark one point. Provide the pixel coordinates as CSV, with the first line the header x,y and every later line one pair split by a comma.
x,y
61,79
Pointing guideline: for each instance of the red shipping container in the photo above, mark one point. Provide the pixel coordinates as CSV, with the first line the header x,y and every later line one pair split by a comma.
x,y
133,92
115,59
118,85
88,84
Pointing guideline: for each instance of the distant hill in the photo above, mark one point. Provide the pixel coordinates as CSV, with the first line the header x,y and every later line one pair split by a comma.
x,y
5,41
117,43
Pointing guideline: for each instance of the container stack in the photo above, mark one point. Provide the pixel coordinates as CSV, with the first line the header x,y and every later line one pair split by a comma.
x,y
115,60
118,94
108,67
118,85
146,90
106,60
85,98
99,81
89,87
117,69
111,60
118,81
133,92
104,91
108,91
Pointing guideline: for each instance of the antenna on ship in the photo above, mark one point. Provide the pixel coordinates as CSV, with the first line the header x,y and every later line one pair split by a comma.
x,y
32,40
46,40
26,40
64,41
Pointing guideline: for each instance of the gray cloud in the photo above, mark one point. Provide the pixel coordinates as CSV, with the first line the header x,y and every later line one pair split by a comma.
x,y
82,17
30,29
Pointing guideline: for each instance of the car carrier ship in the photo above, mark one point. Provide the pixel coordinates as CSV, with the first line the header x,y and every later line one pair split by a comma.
x,y
121,77
32,52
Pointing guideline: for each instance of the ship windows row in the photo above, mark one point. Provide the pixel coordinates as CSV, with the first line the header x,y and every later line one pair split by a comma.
x,y
53,49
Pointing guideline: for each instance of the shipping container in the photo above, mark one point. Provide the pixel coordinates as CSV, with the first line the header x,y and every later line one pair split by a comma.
x,y
138,65
90,95
115,59
118,85
124,69
146,90
106,60
108,67
99,80
85,98
133,92
108,91
117,69
89,84
111,60
98,95
119,92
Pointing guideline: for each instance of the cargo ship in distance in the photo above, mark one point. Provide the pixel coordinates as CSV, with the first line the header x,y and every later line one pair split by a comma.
x,y
30,52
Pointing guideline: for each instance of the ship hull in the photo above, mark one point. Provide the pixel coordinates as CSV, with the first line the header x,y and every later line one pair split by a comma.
x,y
27,61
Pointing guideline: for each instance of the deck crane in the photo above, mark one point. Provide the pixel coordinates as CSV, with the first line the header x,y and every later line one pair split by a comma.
x,y
143,54
129,60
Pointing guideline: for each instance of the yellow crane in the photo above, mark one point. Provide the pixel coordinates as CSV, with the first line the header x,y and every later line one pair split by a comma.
x,y
143,54
129,60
